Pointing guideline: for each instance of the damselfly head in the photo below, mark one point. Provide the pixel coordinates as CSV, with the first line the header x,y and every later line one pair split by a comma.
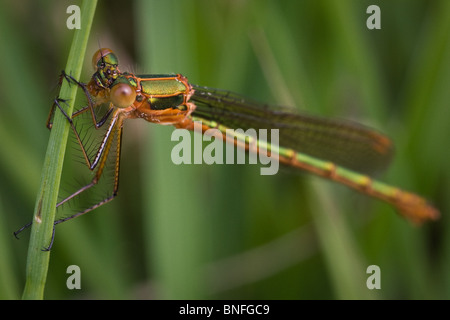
x,y
106,64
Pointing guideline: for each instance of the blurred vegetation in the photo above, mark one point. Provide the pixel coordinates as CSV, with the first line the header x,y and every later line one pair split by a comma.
x,y
226,232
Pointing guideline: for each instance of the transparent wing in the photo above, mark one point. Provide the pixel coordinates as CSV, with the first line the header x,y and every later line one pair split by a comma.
x,y
342,142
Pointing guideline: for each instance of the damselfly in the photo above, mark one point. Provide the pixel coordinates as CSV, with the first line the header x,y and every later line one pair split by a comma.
x,y
334,149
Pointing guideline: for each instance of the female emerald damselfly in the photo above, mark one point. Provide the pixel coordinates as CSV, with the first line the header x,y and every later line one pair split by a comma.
x,y
339,150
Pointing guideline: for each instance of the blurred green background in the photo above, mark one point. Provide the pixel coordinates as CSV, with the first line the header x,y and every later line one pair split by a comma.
x,y
225,231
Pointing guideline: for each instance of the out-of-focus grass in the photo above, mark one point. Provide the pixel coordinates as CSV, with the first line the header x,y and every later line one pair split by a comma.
x,y
199,231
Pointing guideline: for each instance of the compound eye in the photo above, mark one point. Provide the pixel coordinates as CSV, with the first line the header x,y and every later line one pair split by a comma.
x,y
122,95
104,56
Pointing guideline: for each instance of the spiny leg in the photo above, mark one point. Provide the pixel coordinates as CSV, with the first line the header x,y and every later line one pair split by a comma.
x,y
21,229
49,122
91,105
55,104
51,241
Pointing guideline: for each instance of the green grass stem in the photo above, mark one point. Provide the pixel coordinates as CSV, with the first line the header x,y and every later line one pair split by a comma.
x,y
44,214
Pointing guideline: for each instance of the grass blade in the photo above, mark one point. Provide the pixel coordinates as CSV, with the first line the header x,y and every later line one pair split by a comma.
x,y
44,215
